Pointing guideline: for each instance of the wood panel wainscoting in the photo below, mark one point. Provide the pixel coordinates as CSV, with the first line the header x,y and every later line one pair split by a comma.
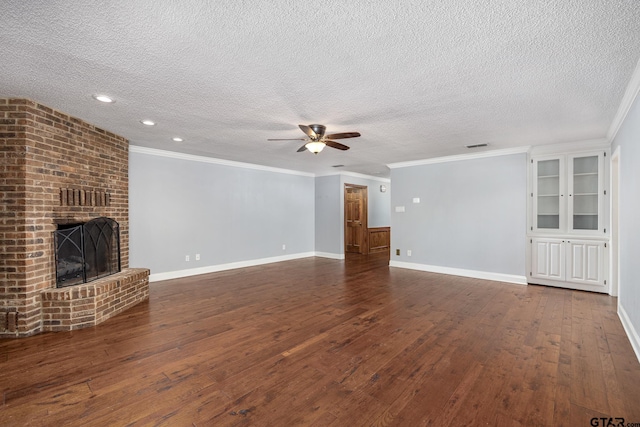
x,y
322,342
379,239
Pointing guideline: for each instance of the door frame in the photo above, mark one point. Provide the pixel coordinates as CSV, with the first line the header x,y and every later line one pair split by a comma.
x,y
365,217
615,223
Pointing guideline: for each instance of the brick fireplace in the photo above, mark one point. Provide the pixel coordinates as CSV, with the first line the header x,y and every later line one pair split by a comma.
x,y
58,169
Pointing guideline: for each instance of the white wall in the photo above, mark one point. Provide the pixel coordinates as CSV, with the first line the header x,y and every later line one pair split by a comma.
x,y
628,140
471,218
227,214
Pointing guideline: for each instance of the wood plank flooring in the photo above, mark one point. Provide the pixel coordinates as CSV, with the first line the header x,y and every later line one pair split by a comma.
x,y
320,342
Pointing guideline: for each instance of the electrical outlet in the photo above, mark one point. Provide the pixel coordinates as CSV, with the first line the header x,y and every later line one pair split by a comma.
x,y
284,247
197,257
186,257
408,252
398,252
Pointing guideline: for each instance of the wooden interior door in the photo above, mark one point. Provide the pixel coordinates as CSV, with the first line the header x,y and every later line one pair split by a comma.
x,y
355,219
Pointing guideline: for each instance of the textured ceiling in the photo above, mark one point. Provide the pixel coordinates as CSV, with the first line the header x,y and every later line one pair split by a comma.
x,y
419,79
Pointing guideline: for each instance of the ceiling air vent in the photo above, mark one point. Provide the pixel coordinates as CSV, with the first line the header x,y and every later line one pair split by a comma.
x,y
477,145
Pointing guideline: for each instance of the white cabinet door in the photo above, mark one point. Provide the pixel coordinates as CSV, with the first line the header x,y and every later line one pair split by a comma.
x,y
586,192
548,194
548,259
585,262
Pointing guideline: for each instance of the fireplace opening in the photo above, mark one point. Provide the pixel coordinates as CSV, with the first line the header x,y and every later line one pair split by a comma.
x,y
87,251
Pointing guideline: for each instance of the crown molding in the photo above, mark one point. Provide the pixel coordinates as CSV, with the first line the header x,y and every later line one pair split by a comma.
x,y
212,160
457,158
357,175
574,146
369,177
630,95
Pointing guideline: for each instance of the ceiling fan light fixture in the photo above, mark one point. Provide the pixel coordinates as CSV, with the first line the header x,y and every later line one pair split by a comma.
x,y
315,147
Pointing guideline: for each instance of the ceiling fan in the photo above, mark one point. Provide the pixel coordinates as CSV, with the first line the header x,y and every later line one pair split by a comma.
x,y
317,140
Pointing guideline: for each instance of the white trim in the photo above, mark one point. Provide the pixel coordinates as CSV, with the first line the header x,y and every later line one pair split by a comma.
x,y
630,94
484,275
459,157
329,255
203,159
229,266
358,175
632,334
614,264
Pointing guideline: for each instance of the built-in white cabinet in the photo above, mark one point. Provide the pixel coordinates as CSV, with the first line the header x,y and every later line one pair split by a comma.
x,y
569,263
567,194
567,229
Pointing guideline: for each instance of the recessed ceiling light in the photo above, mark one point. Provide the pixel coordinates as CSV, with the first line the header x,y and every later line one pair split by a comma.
x,y
103,98
177,139
148,122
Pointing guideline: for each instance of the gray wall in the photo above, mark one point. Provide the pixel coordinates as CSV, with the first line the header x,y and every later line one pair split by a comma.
x,y
330,209
329,224
472,214
628,139
224,213
379,206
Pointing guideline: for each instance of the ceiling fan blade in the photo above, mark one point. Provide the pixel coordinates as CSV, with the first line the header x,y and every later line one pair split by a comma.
x,y
288,139
334,144
343,135
308,131
301,149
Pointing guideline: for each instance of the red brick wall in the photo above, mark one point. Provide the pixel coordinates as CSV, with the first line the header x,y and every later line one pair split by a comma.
x,y
46,153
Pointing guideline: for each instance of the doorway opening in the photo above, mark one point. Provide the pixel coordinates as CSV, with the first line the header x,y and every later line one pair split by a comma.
x,y
355,219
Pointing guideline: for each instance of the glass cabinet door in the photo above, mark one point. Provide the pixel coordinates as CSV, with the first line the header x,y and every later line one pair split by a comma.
x,y
548,195
584,192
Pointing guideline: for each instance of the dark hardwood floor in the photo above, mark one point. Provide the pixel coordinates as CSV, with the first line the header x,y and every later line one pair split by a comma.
x,y
322,342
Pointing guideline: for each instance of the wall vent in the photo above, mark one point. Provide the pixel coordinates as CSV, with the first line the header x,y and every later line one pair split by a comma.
x,y
477,145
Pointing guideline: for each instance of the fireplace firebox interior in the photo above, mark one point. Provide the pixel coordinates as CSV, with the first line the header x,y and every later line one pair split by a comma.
x,y
87,251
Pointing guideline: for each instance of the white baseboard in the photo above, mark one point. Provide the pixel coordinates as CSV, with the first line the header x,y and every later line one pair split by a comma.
x,y
632,334
156,277
329,255
498,277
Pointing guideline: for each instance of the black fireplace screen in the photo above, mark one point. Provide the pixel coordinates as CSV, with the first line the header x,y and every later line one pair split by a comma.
x,y
85,252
